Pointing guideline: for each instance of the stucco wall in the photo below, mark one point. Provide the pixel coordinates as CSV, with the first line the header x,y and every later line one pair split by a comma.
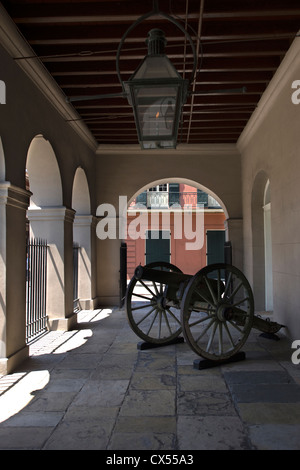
x,y
270,148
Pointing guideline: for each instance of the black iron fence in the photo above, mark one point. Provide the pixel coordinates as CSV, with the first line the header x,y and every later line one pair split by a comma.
x,y
36,285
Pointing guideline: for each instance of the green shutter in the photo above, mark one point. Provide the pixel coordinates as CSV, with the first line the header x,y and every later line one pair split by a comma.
x,y
215,246
157,246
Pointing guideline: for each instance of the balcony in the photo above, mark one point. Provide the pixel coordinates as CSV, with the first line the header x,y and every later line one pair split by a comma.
x,y
173,199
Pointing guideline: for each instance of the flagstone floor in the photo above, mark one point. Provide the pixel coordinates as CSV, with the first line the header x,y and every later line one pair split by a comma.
x,y
92,388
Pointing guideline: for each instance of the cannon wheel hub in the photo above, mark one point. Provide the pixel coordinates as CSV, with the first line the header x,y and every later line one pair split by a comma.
x,y
160,302
224,312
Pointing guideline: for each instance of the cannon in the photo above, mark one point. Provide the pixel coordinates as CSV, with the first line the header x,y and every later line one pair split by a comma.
x,y
213,309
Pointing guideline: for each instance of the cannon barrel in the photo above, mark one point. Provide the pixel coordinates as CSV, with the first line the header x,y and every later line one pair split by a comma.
x,y
165,277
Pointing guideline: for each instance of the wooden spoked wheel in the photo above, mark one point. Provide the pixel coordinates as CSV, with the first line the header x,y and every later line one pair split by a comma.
x,y
148,315
217,312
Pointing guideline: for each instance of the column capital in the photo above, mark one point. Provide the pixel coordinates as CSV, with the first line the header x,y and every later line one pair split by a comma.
x,y
235,222
84,220
60,213
14,196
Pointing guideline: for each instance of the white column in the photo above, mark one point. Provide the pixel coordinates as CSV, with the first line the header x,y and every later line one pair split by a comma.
x,y
13,205
83,236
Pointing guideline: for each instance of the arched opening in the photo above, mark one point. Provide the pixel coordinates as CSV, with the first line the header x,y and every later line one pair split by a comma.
x,y
268,248
44,175
82,242
177,221
80,193
262,243
51,222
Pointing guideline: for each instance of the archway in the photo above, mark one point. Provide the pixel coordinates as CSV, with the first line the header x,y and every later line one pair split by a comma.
x,y
262,242
49,220
82,242
175,220
268,248
80,193
44,175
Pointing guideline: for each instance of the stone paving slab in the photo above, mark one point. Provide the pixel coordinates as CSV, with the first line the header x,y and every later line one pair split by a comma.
x,y
194,383
212,433
153,381
205,403
39,419
149,403
268,393
16,438
270,413
258,377
275,437
143,441
81,435
107,393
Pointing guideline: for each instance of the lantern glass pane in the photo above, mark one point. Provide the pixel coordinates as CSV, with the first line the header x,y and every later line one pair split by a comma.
x,y
156,111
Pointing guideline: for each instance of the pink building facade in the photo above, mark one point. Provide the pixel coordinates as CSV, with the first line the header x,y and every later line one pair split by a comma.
x,y
175,223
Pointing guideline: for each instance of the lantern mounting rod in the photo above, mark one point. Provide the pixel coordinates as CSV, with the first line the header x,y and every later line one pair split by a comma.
x,y
154,12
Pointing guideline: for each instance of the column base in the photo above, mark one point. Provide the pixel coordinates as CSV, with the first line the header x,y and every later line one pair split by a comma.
x,y
8,364
62,324
88,304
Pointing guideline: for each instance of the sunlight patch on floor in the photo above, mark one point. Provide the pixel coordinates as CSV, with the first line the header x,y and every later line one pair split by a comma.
x,y
21,394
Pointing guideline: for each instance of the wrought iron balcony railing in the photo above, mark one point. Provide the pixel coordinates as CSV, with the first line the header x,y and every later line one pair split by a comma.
x,y
169,199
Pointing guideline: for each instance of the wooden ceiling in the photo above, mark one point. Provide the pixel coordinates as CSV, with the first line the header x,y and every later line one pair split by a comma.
x,y
239,43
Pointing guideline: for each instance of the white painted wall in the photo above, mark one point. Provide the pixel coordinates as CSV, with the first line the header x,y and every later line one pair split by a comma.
x,y
270,148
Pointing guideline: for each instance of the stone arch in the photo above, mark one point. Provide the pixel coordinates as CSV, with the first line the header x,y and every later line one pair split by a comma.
x,y
44,175
258,238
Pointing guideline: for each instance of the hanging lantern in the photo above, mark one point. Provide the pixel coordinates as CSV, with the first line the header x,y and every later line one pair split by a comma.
x,y
156,92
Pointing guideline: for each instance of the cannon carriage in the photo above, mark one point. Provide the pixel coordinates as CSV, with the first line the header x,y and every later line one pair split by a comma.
x,y
213,309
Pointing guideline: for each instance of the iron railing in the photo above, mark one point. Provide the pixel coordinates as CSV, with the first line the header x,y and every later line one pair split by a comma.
x,y
167,199
36,286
